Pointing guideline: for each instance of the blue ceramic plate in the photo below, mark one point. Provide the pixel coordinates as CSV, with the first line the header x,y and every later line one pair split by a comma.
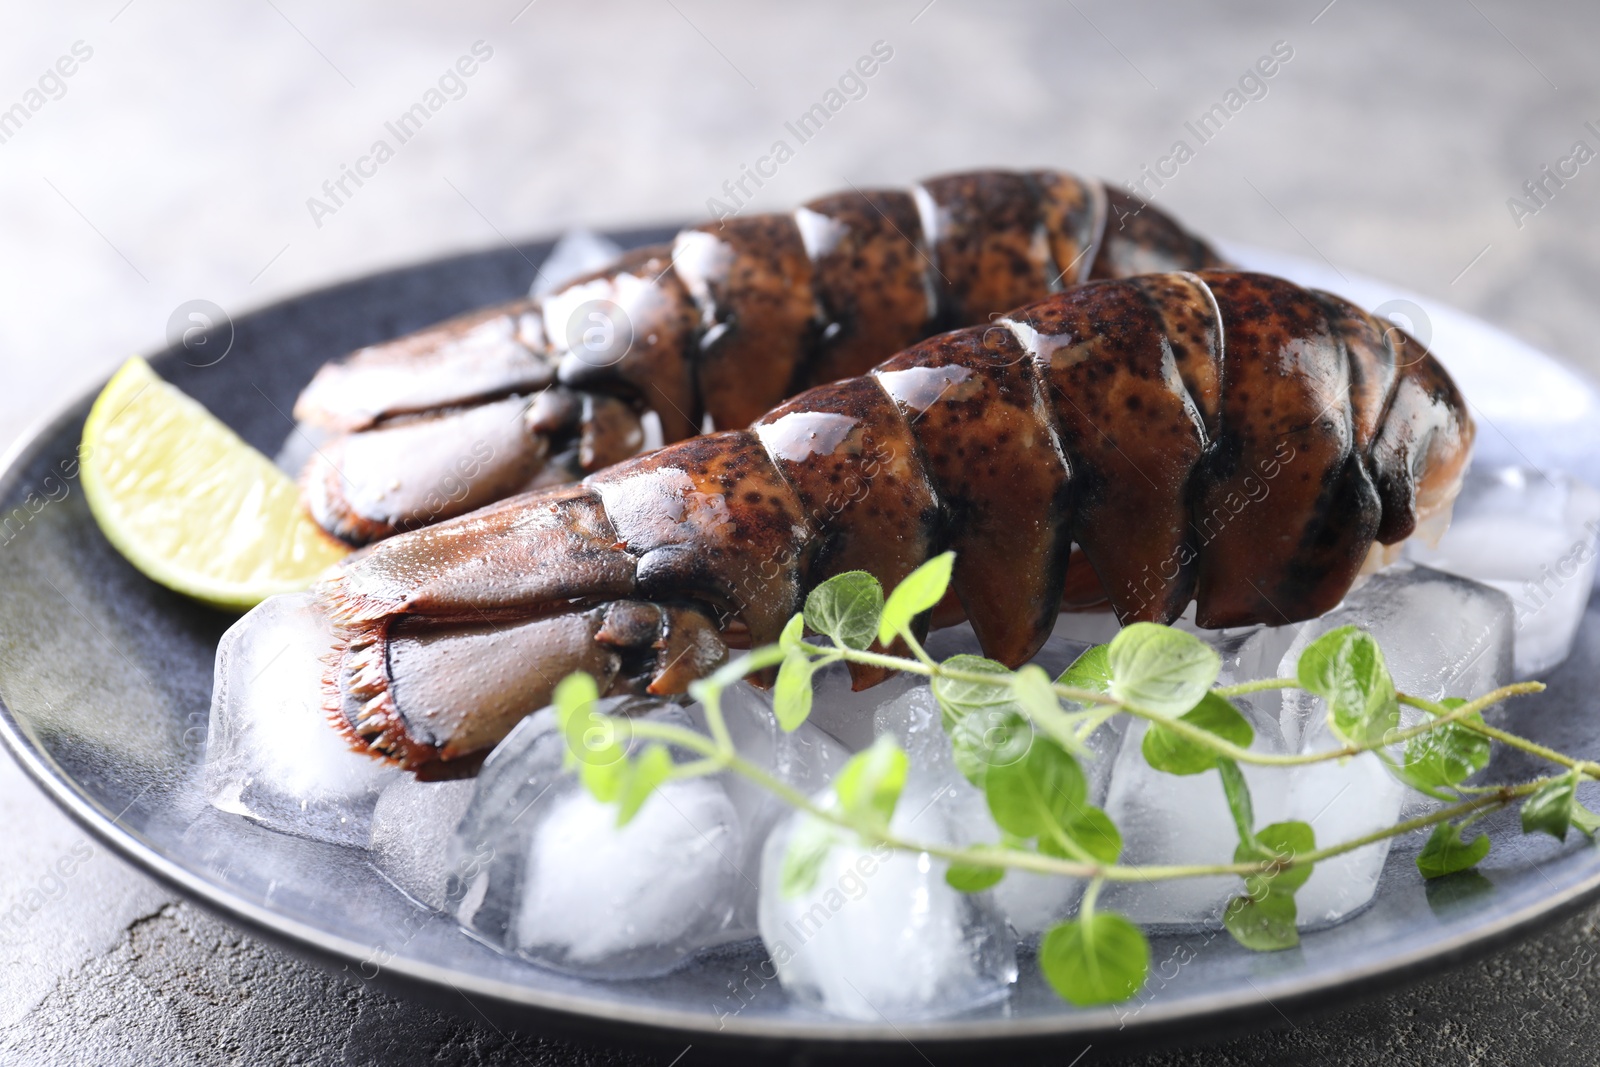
x,y
106,682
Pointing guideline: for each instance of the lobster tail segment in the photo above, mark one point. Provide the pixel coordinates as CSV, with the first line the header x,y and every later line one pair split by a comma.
x,y
629,330
850,459
870,269
711,520
1130,372
447,637
1287,512
979,416
1141,239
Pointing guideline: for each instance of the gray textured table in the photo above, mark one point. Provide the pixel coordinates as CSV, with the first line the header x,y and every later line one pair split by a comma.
x,y
177,161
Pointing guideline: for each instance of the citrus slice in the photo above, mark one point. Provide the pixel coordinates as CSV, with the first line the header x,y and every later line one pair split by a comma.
x,y
189,503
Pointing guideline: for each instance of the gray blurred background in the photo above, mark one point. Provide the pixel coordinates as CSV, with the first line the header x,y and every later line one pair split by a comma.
x,y
177,160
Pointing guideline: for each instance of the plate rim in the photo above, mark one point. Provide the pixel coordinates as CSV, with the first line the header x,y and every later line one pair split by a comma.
x,y
1152,1022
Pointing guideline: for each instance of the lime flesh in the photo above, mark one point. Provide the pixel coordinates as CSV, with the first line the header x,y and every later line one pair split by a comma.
x,y
189,503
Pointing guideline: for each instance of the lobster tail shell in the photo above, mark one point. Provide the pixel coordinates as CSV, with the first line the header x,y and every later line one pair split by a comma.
x,y
661,327
1003,483
721,325
1290,417
871,277
1225,438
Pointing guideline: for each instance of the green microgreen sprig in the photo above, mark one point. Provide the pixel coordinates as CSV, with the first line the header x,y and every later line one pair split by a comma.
x,y
1019,737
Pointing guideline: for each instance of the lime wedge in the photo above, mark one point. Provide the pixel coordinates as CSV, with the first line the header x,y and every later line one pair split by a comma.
x,y
189,503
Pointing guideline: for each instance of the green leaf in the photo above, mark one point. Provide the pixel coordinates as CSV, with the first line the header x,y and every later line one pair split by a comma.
x,y
1042,792
1446,755
596,742
986,725
1237,792
604,780
652,767
1265,924
1100,958
809,845
972,877
791,696
1031,687
919,591
1090,671
794,632
1345,667
1263,919
989,739
869,784
574,696
1550,809
1280,841
1161,670
846,608
1585,820
1166,751
1092,830
959,698
1446,852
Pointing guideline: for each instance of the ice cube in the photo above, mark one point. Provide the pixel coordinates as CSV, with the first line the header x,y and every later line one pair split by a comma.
x,y
1247,652
881,935
632,900
937,794
1175,819
1032,903
1184,819
542,869
1342,800
271,753
806,759
1441,635
413,825
845,714
1532,536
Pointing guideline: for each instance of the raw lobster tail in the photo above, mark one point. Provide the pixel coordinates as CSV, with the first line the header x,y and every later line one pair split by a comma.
x,y
725,322
1219,437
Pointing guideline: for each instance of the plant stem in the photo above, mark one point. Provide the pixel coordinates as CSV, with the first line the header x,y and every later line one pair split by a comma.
x,y
1586,767
1205,737
917,649
717,754
1091,896
717,724
955,674
1241,688
1093,719
1244,755
1020,859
